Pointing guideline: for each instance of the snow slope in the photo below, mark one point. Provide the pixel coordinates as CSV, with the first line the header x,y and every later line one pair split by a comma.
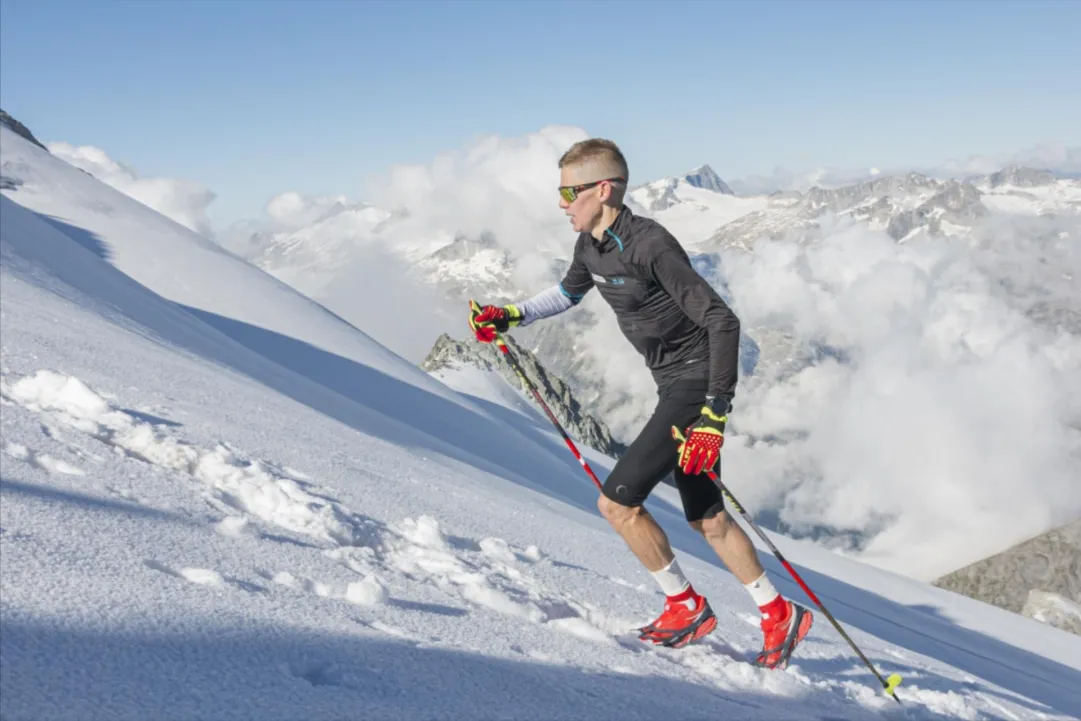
x,y
220,501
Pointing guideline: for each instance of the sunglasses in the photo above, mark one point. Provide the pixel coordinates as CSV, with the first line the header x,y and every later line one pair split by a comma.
x,y
570,192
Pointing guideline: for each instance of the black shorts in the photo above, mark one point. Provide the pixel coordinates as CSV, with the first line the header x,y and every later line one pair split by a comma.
x,y
653,455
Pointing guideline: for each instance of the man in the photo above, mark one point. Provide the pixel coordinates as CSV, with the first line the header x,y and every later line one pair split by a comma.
x,y
690,341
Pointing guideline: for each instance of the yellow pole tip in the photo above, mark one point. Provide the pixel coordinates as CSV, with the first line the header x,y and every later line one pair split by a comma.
x,y
892,682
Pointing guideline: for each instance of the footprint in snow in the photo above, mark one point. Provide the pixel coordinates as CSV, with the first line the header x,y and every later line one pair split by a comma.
x,y
256,488
203,577
317,673
369,591
41,460
482,574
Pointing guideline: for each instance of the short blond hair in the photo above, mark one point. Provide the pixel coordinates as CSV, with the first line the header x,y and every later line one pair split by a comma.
x,y
603,153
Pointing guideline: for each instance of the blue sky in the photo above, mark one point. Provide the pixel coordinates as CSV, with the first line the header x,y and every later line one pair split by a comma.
x,y
255,98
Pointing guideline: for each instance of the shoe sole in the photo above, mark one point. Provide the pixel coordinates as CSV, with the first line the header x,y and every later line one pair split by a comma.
x,y
704,628
678,639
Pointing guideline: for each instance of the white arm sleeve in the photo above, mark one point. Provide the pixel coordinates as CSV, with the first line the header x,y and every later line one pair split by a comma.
x,y
549,302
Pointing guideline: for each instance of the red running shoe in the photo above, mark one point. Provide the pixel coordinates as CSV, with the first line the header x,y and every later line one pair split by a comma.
x,y
783,635
686,618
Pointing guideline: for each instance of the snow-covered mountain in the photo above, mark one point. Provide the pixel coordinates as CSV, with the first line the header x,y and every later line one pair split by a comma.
x,y
666,192
906,205
220,500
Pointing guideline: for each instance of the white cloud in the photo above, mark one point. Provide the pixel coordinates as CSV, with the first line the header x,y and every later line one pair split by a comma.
x,y
1055,157
1050,156
184,201
954,427
506,186
292,210
500,186
379,293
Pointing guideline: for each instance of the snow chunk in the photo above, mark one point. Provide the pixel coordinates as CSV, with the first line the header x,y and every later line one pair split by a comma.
x,y
424,532
49,390
234,527
369,592
17,451
484,595
497,549
202,576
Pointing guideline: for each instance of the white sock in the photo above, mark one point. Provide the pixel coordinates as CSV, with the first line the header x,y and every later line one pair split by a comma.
x,y
671,579
761,590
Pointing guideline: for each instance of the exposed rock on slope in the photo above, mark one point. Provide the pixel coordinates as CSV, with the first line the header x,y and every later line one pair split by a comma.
x,y
1047,564
448,352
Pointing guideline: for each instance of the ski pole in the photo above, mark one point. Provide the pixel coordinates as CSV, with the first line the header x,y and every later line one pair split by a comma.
x,y
889,685
513,361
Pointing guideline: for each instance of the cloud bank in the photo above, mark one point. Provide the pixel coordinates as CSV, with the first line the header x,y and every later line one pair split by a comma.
x,y
503,186
1055,157
184,201
292,210
946,423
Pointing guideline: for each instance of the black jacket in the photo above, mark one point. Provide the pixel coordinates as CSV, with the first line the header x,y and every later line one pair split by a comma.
x,y
668,312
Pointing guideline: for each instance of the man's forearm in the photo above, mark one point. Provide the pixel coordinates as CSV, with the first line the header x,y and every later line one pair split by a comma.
x,y
549,302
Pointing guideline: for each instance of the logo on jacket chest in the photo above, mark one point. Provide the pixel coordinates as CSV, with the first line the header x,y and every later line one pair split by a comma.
x,y
610,281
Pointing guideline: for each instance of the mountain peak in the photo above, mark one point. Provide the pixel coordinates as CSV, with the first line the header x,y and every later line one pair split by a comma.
x,y
705,177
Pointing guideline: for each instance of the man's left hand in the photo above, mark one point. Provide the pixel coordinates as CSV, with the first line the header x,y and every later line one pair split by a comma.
x,y
701,449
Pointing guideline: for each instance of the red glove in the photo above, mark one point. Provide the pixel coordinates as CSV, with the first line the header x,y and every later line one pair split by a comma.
x,y
491,319
701,449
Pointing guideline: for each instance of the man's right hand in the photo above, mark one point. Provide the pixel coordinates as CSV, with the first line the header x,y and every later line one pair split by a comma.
x,y
486,321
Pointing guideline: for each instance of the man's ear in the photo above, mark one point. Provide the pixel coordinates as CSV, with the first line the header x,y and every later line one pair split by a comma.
x,y
606,191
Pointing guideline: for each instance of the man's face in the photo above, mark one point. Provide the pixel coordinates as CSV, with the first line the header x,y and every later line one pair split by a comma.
x,y
585,210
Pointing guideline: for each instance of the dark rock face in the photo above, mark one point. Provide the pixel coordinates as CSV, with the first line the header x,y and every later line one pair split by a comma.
x,y
1025,574
580,425
19,129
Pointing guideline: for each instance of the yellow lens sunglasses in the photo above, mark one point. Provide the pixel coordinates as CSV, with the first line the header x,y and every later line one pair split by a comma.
x,y
570,193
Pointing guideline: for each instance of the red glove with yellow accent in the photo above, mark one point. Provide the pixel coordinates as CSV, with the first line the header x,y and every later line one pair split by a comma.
x,y
491,319
701,449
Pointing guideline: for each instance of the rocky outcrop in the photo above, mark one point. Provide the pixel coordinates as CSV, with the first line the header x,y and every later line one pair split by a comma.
x,y
706,178
958,203
580,425
1047,564
1054,610
912,185
1021,177
19,129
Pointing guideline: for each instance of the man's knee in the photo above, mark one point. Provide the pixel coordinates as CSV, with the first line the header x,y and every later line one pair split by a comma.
x,y
616,513
714,524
